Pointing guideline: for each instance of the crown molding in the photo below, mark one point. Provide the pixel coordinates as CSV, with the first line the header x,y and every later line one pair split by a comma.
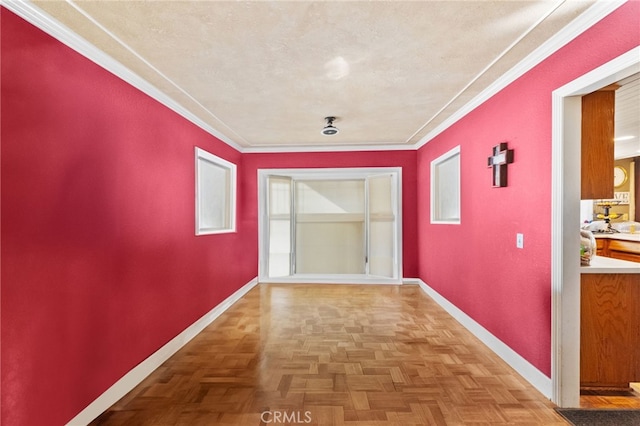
x,y
42,20
327,148
54,28
580,24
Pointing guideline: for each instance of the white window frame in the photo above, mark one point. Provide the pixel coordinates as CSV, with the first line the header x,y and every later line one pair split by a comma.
x,y
227,199
436,185
327,174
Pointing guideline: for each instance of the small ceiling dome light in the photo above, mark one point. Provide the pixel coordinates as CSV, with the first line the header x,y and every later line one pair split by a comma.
x,y
329,129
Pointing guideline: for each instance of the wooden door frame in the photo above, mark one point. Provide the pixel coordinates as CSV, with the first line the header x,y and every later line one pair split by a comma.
x,y
565,209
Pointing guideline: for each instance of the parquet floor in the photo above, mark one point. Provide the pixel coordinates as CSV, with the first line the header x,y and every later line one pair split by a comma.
x,y
334,355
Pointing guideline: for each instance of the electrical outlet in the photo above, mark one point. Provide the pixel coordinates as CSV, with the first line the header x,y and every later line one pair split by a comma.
x,y
520,240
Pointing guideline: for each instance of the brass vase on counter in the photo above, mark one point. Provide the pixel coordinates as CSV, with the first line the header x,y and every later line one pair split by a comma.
x,y
587,247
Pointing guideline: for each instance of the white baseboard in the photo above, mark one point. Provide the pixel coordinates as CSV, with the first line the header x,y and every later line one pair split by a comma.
x,y
523,367
146,367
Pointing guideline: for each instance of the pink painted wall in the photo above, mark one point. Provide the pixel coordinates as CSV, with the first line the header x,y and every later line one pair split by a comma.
x,y
100,264
404,159
476,264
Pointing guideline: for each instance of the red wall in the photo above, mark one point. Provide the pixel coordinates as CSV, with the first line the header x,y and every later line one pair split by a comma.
x,y
404,159
476,265
100,264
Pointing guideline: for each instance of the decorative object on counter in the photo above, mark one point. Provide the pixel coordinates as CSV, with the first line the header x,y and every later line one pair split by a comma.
x,y
607,216
628,227
596,226
622,197
502,156
600,227
587,247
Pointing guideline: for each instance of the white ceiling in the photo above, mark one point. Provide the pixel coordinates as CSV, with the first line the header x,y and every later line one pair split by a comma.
x,y
263,75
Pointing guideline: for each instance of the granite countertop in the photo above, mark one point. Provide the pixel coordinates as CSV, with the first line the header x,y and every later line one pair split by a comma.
x,y
618,236
609,265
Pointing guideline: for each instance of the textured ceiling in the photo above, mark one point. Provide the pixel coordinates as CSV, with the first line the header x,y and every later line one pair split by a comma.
x,y
265,74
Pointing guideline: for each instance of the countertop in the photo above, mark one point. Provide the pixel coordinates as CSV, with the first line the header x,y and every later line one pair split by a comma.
x,y
618,236
609,265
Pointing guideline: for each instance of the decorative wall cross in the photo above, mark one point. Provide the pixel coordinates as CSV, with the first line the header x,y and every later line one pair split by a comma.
x,y
499,160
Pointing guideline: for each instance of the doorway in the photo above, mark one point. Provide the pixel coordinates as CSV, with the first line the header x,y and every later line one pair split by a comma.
x,y
565,207
330,225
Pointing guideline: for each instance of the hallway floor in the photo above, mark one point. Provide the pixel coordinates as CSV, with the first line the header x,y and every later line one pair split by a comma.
x,y
334,355
611,398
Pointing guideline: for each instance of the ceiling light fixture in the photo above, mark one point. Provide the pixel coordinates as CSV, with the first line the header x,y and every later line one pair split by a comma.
x,y
329,129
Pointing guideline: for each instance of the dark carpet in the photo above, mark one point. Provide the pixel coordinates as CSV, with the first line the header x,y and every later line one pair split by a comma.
x,y
604,417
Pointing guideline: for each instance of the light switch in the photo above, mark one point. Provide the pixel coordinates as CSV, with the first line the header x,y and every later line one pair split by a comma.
x,y
520,240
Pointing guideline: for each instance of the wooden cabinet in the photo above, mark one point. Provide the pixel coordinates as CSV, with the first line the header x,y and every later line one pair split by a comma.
x,y
609,330
597,144
625,250
618,249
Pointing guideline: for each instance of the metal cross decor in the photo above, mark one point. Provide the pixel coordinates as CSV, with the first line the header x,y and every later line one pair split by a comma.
x,y
499,160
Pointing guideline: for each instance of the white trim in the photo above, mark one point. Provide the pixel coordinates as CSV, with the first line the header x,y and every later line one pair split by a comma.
x,y
203,157
337,173
329,148
74,4
327,174
583,22
134,377
435,184
565,200
51,26
532,27
332,279
411,281
523,367
37,17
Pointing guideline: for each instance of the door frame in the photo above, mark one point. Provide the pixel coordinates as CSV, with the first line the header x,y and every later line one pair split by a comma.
x,y
329,174
565,212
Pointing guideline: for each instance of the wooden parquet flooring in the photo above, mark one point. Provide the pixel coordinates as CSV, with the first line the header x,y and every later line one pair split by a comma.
x,y
610,398
334,355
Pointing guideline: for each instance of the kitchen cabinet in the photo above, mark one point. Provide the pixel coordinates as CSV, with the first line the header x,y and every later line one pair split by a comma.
x,y
597,151
625,250
619,246
609,329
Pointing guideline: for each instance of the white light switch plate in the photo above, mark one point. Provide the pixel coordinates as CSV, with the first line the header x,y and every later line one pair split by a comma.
x,y
520,240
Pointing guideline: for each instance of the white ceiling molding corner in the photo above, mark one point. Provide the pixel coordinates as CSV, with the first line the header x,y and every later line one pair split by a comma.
x,y
266,83
329,148
40,19
594,14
